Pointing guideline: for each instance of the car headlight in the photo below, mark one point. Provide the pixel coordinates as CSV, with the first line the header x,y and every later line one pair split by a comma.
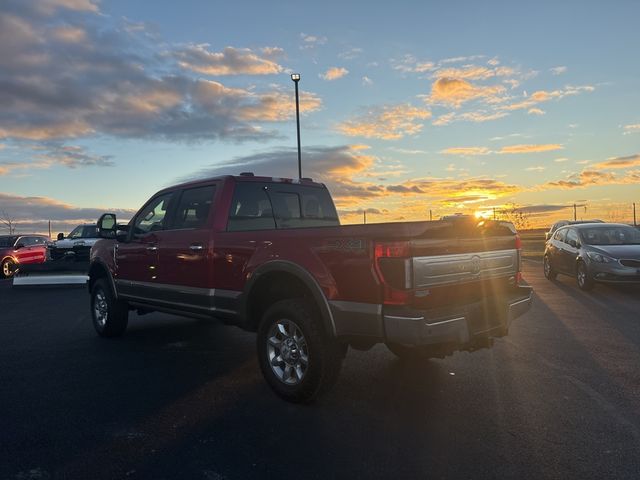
x,y
598,257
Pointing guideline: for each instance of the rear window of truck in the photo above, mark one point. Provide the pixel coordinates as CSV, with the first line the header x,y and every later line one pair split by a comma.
x,y
260,206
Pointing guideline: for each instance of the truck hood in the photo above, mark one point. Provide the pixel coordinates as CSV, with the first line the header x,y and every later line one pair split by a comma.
x,y
70,243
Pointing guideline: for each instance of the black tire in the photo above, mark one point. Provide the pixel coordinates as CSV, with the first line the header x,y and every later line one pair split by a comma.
x,y
7,268
116,312
583,278
549,272
323,353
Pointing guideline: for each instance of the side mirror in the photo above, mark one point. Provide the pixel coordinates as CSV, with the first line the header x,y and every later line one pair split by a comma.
x,y
61,236
107,225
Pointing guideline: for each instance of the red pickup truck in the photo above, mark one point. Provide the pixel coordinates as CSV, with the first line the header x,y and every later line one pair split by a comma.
x,y
270,256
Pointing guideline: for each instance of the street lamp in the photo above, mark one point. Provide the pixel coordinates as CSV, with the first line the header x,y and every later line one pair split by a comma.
x,y
296,78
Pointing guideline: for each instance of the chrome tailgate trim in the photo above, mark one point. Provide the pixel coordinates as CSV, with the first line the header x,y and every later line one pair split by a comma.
x,y
465,267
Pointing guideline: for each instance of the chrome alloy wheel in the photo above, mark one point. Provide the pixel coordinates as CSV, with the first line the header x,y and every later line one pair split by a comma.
x,y
6,269
582,276
100,308
547,266
288,352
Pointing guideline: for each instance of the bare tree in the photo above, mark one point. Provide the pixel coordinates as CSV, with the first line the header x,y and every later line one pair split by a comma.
x,y
7,221
517,216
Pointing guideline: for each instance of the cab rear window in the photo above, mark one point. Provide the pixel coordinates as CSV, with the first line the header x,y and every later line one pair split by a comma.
x,y
258,206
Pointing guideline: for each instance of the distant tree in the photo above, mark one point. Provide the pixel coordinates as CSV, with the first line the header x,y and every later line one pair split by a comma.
x,y
517,216
8,222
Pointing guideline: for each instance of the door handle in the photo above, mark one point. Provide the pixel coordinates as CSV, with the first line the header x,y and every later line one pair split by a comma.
x,y
152,248
196,247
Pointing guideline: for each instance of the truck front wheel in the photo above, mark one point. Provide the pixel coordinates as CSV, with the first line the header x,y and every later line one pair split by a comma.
x,y
297,357
110,316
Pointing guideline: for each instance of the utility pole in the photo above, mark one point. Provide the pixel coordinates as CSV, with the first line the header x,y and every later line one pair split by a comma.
x,y
296,78
431,215
494,213
574,213
634,214
364,213
49,229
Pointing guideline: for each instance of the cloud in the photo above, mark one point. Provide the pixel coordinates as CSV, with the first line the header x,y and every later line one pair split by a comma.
x,y
69,34
454,92
323,163
116,83
558,70
311,41
539,96
366,81
619,162
477,116
387,122
460,59
346,170
32,211
530,148
509,149
351,53
544,208
51,155
473,72
334,73
410,64
633,128
589,178
562,159
466,151
538,168
535,111
231,61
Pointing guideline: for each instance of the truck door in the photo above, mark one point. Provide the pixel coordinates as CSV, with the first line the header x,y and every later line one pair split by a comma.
x,y
185,250
137,266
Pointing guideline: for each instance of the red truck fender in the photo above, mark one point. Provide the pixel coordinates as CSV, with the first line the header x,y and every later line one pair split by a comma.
x,y
289,278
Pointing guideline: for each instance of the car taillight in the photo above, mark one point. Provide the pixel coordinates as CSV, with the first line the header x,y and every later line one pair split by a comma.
x,y
394,268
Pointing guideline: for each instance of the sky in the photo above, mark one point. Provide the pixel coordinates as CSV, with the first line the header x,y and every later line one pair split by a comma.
x,y
408,109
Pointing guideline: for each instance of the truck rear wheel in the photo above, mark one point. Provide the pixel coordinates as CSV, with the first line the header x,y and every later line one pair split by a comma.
x,y
110,316
297,357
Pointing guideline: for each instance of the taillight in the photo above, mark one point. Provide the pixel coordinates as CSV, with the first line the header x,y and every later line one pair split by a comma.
x,y
394,268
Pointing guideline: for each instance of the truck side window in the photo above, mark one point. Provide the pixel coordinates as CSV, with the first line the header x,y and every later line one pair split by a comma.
x,y
151,217
250,209
298,206
194,207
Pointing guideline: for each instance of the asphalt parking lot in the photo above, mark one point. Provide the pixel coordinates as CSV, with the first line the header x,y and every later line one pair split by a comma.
x,y
176,398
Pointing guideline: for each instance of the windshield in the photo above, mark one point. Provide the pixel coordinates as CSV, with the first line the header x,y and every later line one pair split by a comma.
x,y
618,235
7,241
76,233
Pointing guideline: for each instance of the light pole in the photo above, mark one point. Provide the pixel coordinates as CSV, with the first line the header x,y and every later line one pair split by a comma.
x,y
296,78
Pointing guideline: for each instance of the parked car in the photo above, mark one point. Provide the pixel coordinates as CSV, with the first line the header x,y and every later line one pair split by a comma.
x,y
16,250
77,244
594,252
270,256
562,223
